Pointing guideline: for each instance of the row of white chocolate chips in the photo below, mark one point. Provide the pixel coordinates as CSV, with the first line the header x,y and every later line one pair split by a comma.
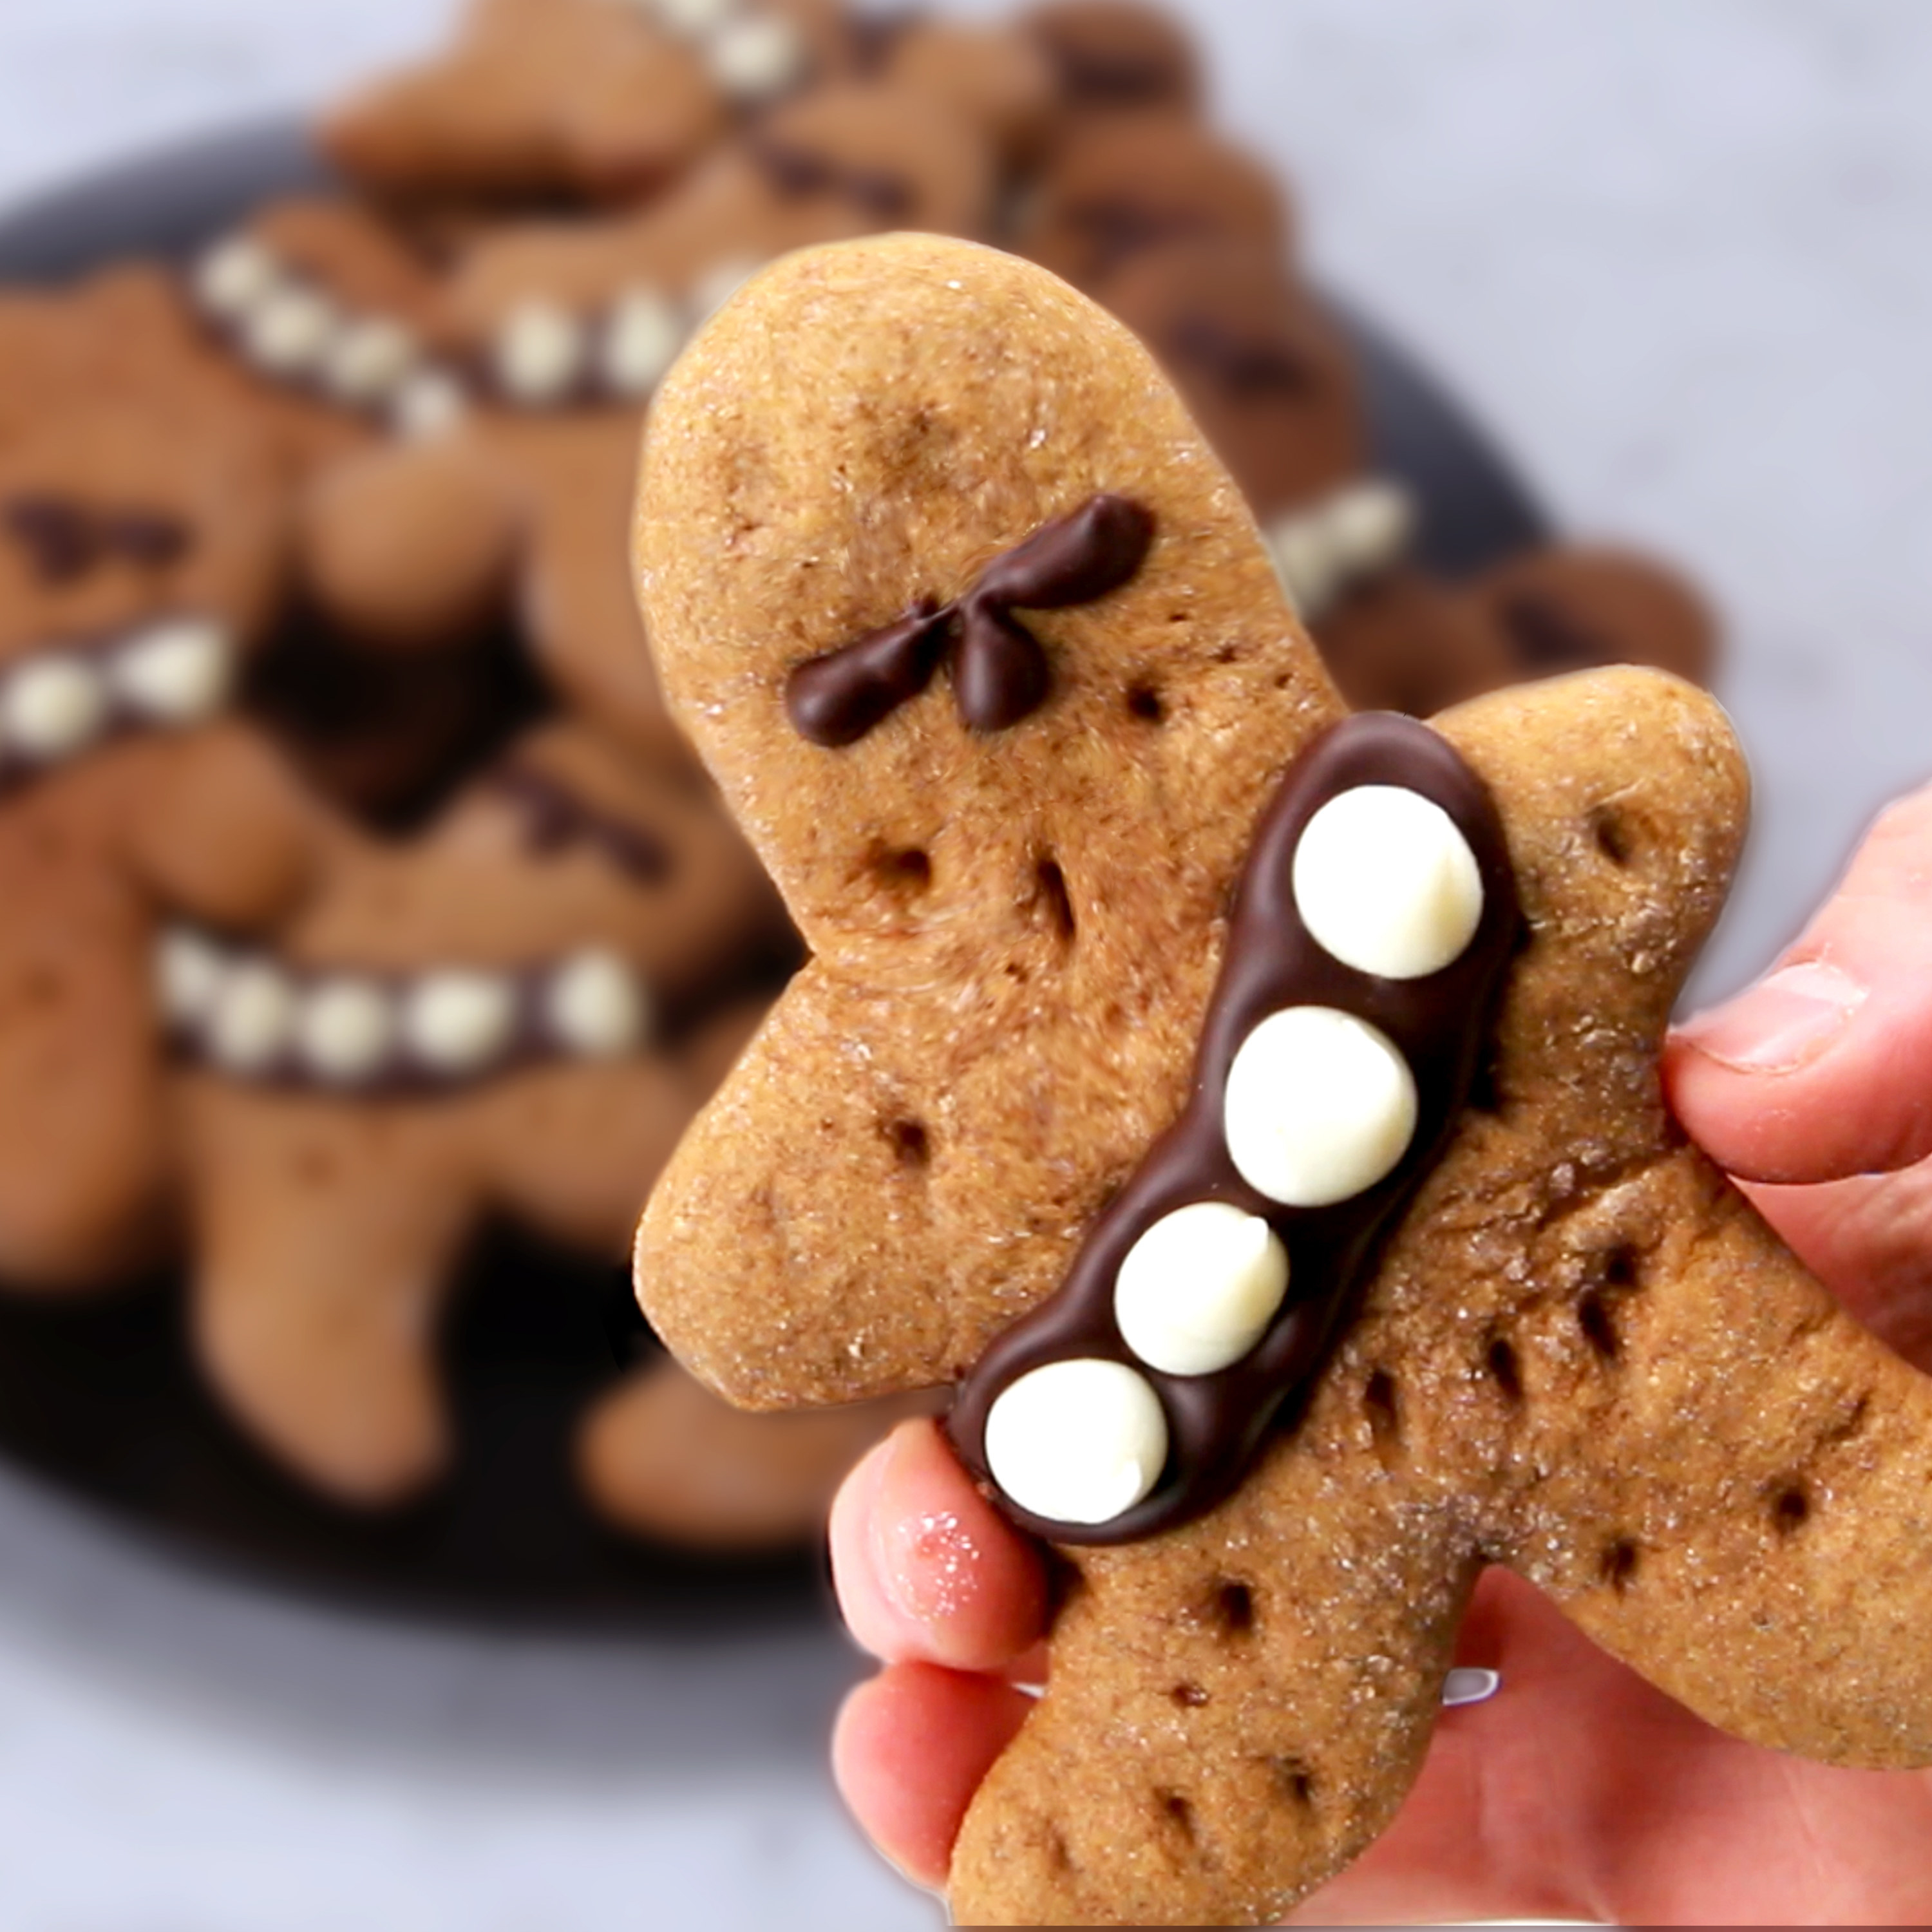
x,y
750,52
544,353
1353,534
1319,1106
286,328
58,702
248,1016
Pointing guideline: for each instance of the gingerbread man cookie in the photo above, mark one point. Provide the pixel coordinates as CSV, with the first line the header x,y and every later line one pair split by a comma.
x,y
141,559
599,99
1115,57
1254,1108
513,1012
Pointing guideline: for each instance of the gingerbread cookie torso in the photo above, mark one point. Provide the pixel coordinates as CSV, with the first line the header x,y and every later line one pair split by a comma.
x,y
1572,1348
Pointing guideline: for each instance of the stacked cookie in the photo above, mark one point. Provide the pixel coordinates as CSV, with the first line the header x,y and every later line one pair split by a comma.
x,y
365,890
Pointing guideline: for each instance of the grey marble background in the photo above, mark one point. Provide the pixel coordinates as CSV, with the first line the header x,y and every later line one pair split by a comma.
x,y
1673,256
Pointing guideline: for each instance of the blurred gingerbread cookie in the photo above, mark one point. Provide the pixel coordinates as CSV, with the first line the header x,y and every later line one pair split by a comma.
x,y
1134,181
595,99
511,1013
141,557
1114,57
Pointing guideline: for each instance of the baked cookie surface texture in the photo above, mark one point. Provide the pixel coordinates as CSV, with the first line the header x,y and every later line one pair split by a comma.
x,y
983,649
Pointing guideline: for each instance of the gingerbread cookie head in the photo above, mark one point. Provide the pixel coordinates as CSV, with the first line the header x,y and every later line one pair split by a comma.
x,y
1113,57
1263,368
599,100
1571,607
556,312
143,551
1254,1107
1134,181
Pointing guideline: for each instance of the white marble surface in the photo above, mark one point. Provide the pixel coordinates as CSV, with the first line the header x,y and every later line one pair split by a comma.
x,y
1674,256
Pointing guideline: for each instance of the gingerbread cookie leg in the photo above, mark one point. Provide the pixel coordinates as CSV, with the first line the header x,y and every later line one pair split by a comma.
x,y
1234,1712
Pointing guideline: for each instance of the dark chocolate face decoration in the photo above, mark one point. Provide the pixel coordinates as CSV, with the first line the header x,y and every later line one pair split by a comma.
x,y
559,819
1375,917
1246,365
1549,638
797,172
66,538
1118,228
1000,673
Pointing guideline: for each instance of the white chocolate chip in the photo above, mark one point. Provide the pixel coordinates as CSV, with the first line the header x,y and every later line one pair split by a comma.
x,y
234,276
370,361
1304,563
428,403
253,1012
1386,883
1077,1441
1199,1289
189,970
176,673
718,285
52,707
1369,526
458,1022
540,353
292,331
640,342
755,56
1320,1106
1466,1684
345,1029
595,1006
689,19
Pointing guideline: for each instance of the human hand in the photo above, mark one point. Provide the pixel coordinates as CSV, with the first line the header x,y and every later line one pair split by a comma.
x,y
1579,1791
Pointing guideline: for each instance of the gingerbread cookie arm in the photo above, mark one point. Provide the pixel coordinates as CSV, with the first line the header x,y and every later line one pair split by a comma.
x,y
227,834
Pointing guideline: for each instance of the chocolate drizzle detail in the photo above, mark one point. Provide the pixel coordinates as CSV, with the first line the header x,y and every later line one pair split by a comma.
x,y
1244,365
558,819
65,538
1217,1422
797,172
1000,674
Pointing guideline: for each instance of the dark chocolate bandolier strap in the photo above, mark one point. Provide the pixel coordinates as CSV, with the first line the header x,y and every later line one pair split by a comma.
x,y
1437,1021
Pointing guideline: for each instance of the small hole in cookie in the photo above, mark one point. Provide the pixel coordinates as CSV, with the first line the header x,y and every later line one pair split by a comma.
x,y
1296,1780
1505,1370
1486,1096
909,1141
1054,901
1789,1509
905,872
1379,1402
1189,1696
1620,1267
1178,1812
1231,1608
1228,654
1618,1564
1612,833
1144,702
1599,1326
1058,1858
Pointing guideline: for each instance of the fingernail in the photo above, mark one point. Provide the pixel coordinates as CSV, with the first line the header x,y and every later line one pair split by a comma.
x,y
1465,1686
928,1560
1785,1021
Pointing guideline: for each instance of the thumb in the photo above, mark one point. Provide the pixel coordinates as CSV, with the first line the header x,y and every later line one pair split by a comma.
x,y
1823,1069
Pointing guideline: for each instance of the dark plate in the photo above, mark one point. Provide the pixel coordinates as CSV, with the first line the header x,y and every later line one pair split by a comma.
x,y
100,1399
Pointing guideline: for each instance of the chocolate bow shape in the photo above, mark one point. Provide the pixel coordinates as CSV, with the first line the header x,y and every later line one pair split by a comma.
x,y
1000,673
66,539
